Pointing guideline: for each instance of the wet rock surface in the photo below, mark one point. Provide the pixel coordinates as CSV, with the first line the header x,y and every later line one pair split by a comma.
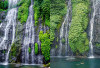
x,y
97,30
16,46
2,16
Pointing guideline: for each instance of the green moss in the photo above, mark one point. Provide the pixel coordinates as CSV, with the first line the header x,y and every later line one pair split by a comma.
x,y
15,49
57,39
42,10
29,50
36,48
0,21
97,44
58,9
63,40
52,34
56,46
36,9
4,51
47,22
78,40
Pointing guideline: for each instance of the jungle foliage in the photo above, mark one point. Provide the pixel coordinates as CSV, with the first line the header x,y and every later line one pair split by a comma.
x,y
45,44
23,10
78,38
58,9
42,10
3,5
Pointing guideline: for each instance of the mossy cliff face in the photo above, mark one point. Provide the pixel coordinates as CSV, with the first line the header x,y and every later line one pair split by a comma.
x,y
41,24
78,39
23,10
58,9
2,16
15,52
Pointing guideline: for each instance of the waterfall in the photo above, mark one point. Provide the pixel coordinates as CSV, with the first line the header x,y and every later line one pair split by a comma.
x,y
65,26
11,22
13,3
61,36
29,41
0,25
13,33
91,30
29,37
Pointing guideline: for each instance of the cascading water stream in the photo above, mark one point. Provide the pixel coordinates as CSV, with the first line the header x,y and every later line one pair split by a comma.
x,y
29,37
66,25
11,22
13,33
29,40
0,25
13,3
91,30
61,36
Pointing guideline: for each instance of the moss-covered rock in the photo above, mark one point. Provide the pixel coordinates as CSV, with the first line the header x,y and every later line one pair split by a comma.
x,y
78,39
36,48
15,52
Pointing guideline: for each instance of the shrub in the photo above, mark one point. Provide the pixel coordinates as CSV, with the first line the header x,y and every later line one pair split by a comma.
x,y
15,49
47,23
36,48
29,50
45,45
97,44
36,9
78,40
63,40
42,10
23,11
4,5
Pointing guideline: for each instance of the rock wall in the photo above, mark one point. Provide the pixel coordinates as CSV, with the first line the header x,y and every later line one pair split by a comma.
x,y
97,31
2,16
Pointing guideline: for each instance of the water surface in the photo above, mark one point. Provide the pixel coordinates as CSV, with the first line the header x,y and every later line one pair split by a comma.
x,y
23,66
68,62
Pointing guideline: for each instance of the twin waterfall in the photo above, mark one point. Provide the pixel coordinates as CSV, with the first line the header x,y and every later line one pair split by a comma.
x,y
29,35
64,47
